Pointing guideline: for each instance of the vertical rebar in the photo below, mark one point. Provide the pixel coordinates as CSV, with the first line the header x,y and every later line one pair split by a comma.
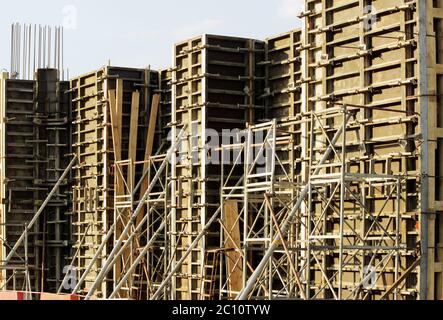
x,y
55,46
39,46
19,31
62,55
24,52
49,47
44,48
12,49
29,51
58,49
35,47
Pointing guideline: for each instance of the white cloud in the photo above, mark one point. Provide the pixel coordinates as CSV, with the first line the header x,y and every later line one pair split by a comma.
x,y
290,8
202,27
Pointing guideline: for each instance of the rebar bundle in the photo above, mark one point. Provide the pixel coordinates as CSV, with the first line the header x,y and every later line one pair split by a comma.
x,y
36,47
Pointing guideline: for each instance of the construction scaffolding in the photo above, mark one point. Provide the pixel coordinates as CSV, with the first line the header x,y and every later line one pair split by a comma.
x,y
330,241
212,74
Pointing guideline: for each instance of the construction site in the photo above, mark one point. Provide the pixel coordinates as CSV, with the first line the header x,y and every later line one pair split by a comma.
x,y
304,166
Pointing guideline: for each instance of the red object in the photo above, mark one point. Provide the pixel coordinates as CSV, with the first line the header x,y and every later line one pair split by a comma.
x,y
58,297
11,295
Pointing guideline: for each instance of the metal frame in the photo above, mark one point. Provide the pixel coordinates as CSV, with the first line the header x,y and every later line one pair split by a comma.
x,y
343,197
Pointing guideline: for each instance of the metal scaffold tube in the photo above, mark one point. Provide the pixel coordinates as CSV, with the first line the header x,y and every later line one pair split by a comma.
x,y
188,252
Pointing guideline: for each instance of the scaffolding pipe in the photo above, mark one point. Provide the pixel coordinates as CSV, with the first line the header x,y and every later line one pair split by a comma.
x,y
128,241
244,294
117,246
401,279
39,212
100,248
187,253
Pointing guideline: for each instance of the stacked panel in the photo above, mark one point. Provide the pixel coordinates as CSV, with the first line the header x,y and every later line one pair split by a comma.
x,y
218,83
94,184
363,55
433,89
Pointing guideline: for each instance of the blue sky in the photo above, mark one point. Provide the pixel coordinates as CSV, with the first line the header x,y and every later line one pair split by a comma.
x,y
137,33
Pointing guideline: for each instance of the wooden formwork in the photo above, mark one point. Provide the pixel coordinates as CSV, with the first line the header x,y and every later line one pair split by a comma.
x,y
217,83
35,152
18,199
94,186
53,107
271,165
364,54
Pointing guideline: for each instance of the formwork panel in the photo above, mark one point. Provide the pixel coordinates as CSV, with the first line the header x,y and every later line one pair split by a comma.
x,y
165,117
434,24
94,184
364,54
35,152
216,86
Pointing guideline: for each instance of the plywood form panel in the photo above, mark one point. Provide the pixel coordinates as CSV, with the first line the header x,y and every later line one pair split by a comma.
x,y
92,143
284,98
34,154
434,18
216,83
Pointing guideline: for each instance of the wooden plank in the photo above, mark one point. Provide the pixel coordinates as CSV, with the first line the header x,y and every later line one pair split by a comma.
x,y
152,126
115,108
132,153
116,138
119,112
234,262
401,279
